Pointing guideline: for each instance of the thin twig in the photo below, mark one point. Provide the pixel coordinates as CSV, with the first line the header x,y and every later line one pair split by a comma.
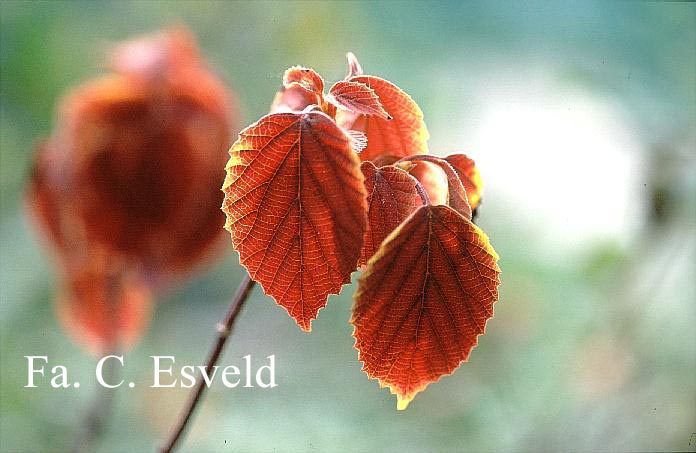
x,y
224,329
99,412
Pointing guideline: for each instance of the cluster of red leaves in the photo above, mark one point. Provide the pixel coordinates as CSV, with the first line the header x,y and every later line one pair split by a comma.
x,y
124,188
326,182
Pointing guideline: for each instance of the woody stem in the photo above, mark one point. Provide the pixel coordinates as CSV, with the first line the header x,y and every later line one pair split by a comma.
x,y
224,330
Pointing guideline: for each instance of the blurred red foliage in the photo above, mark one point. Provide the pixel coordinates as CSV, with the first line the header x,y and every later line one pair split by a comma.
x,y
126,189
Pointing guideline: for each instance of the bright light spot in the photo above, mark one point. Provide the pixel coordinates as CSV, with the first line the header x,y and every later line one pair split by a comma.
x,y
565,161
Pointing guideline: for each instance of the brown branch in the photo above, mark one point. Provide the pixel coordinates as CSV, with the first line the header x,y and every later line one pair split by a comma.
x,y
224,329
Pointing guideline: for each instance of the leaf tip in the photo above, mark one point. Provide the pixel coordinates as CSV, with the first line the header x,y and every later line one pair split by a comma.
x,y
402,402
305,326
354,67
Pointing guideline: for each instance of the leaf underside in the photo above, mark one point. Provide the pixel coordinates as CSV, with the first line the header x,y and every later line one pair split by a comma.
x,y
295,205
357,98
424,300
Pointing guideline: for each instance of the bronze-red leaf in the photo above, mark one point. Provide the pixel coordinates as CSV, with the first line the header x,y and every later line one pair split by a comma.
x,y
305,77
356,97
471,178
295,204
424,300
391,197
456,194
401,136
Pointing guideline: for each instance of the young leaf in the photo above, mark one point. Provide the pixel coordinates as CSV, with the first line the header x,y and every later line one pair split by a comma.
x,y
471,178
391,197
401,136
358,141
294,98
433,179
354,67
306,78
356,97
295,204
424,300
386,159
456,192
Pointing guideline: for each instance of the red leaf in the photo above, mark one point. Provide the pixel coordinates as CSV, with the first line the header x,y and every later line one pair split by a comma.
x,y
104,315
470,177
391,197
141,149
305,77
294,98
357,98
41,200
455,189
401,136
433,179
295,205
384,160
424,300
126,183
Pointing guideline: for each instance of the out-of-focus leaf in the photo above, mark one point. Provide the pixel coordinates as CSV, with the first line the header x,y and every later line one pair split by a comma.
x,y
101,312
125,185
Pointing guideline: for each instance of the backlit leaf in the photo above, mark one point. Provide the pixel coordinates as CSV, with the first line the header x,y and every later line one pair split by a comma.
x,y
358,98
455,189
401,136
471,178
294,98
305,77
384,160
424,300
391,197
354,67
433,179
295,204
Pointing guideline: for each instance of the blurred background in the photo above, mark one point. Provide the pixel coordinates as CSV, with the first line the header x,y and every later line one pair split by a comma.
x,y
581,118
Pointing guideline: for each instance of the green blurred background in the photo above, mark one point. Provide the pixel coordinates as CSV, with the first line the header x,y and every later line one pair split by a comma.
x,y
582,120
